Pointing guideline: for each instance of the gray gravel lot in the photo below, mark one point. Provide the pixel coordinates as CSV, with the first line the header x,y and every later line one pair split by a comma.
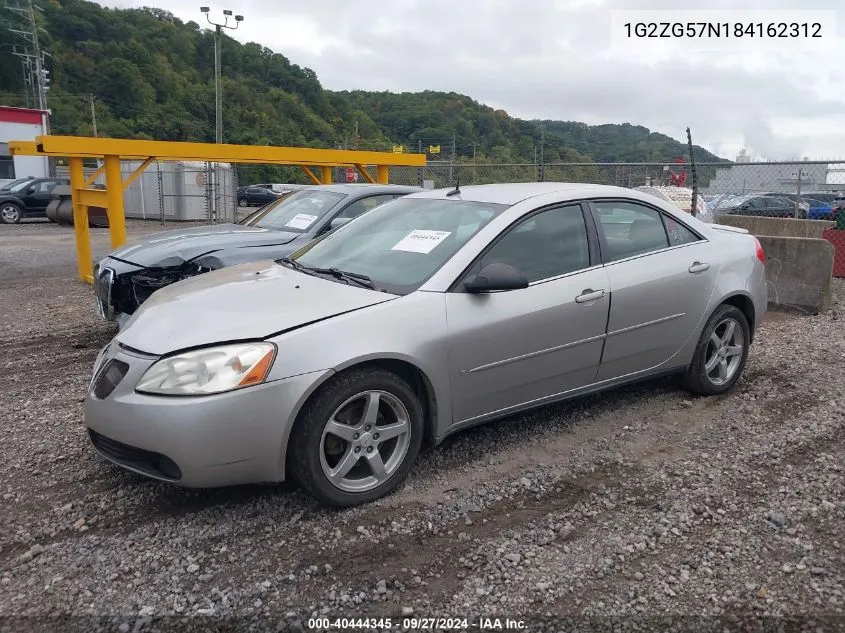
x,y
640,502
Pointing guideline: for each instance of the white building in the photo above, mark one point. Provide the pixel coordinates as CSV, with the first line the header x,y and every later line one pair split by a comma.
x,y
21,124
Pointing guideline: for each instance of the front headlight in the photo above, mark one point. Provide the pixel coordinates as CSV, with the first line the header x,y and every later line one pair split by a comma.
x,y
210,370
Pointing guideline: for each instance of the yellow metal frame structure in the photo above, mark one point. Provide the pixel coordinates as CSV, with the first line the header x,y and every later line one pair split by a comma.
x,y
112,150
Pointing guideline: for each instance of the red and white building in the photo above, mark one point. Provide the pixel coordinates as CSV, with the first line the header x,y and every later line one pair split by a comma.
x,y
21,124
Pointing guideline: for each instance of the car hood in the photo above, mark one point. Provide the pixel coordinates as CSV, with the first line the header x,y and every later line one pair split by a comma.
x,y
245,302
171,248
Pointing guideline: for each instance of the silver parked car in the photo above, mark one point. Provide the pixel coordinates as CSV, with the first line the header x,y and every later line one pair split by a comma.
x,y
427,315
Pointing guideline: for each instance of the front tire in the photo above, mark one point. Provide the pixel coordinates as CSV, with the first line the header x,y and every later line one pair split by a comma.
x,y
10,213
242,202
721,353
357,438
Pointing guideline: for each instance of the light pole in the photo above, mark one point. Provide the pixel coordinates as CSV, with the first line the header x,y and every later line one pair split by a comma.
x,y
218,88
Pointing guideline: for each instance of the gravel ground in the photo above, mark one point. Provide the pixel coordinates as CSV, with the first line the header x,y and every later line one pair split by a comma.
x,y
639,503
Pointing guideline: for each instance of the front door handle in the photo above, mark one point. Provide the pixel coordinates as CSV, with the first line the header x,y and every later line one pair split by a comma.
x,y
699,267
589,295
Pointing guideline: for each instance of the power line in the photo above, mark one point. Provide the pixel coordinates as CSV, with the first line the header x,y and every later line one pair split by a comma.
x,y
32,57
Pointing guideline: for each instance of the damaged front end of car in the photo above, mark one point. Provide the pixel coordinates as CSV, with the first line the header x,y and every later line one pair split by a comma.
x,y
144,283
122,292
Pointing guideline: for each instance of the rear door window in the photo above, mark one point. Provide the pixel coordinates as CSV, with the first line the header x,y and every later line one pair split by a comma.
x,y
630,229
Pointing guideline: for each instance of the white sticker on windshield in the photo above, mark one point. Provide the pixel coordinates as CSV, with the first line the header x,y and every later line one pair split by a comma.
x,y
421,241
301,221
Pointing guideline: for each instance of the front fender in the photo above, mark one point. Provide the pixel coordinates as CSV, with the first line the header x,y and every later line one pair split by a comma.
x,y
411,329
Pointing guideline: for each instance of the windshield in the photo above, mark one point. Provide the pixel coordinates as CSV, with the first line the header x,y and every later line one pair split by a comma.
x,y
254,217
401,243
16,185
299,211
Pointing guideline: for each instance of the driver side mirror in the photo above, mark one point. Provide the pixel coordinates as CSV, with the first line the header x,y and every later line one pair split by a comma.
x,y
496,276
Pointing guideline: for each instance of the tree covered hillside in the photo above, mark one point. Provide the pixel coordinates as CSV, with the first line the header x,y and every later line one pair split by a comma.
x,y
152,76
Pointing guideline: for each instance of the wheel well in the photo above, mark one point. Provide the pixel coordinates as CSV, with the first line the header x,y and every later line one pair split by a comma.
x,y
746,306
418,381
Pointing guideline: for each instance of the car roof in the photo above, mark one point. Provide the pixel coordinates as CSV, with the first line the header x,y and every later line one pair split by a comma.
x,y
364,188
512,193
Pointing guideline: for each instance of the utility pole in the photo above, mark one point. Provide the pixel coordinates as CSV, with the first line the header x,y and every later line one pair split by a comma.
x,y
93,114
36,77
452,162
694,202
32,55
356,134
541,168
218,88
218,98
798,193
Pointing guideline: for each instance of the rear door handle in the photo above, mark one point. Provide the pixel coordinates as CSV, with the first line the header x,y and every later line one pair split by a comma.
x,y
699,267
589,295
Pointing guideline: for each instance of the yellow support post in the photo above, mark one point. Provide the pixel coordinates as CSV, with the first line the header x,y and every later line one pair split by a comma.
x,y
94,176
314,180
382,174
114,194
113,150
134,175
80,223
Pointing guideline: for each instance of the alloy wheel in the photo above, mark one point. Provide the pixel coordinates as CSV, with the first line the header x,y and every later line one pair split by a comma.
x,y
724,351
10,214
365,441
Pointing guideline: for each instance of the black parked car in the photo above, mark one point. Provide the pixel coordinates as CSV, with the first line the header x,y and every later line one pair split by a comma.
x,y
765,206
27,199
127,277
255,196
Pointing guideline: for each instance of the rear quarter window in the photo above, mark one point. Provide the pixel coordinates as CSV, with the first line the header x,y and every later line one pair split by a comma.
x,y
678,233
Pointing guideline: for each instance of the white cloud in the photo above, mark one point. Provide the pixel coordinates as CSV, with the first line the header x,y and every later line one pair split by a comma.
x,y
552,59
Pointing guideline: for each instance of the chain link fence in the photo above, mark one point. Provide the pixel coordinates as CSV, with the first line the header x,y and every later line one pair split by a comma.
x,y
812,191
729,193
208,192
175,191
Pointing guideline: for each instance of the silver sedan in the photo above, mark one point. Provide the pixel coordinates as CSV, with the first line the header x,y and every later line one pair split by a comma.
x,y
428,315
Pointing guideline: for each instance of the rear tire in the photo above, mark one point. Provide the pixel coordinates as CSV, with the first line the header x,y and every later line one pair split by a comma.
x,y
721,353
242,202
357,437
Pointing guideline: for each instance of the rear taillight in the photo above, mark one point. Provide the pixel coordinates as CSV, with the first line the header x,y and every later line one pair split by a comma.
x,y
760,254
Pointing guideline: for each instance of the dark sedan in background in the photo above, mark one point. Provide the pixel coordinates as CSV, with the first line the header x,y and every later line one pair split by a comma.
x,y
125,278
255,196
763,205
27,198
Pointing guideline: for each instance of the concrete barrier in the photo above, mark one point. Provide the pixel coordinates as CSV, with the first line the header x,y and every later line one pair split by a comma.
x,y
798,272
780,227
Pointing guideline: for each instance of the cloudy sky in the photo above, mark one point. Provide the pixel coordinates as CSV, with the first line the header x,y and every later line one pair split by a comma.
x,y
557,59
